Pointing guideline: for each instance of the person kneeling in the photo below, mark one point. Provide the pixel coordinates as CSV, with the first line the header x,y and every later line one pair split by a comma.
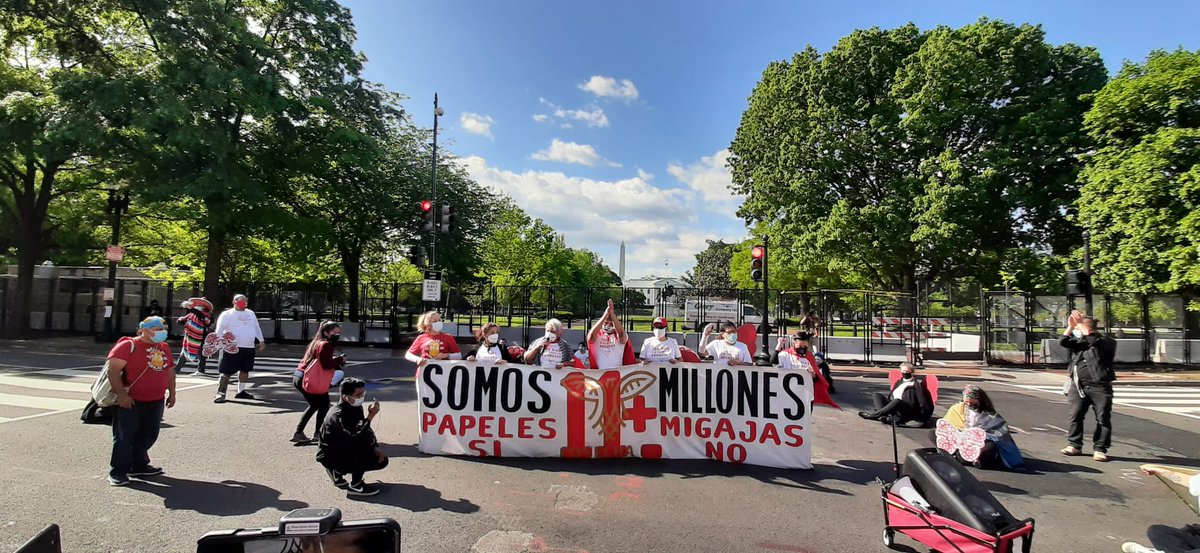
x,y
347,445
909,400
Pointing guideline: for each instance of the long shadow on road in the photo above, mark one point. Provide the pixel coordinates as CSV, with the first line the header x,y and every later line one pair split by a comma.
x,y
225,498
417,498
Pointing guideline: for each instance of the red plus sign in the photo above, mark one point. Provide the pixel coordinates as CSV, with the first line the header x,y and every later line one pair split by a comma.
x,y
639,414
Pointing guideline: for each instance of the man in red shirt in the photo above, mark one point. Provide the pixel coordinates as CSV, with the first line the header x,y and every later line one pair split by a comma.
x,y
140,372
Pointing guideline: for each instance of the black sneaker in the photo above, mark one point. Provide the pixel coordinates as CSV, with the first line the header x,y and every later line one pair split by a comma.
x,y
865,415
361,489
244,395
337,479
118,480
219,399
300,438
146,471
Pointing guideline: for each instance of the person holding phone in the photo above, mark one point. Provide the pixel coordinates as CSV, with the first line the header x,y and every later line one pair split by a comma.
x,y
347,445
1090,375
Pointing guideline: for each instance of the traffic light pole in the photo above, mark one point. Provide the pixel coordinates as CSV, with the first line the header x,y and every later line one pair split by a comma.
x,y
433,186
1087,268
763,358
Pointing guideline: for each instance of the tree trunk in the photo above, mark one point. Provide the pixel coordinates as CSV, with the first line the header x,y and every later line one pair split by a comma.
x,y
352,265
212,266
26,265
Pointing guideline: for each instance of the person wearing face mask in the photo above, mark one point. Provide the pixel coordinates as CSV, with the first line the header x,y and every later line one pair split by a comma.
x,y
347,445
977,411
608,344
243,323
550,351
432,343
491,349
909,399
799,356
141,373
1090,375
316,373
727,350
659,348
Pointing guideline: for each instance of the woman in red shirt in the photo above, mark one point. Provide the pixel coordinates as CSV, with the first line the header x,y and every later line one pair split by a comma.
x,y
315,375
432,343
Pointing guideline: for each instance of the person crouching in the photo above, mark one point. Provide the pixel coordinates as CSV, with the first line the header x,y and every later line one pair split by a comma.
x,y
347,445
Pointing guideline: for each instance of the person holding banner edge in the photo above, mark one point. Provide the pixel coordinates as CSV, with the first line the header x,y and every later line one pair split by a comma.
x,y
608,344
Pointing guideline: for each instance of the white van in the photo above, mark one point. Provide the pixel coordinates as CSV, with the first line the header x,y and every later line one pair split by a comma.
x,y
698,313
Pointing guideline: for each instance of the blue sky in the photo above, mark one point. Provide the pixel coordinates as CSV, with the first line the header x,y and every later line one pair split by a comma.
x,y
611,120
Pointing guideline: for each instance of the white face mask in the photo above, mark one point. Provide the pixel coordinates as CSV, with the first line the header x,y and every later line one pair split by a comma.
x,y
493,338
551,337
436,326
660,332
358,401
609,329
1077,333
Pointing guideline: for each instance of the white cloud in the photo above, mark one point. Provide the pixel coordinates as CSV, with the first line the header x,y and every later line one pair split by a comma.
x,y
608,87
570,152
476,124
541,117
709,176
594,117
662,227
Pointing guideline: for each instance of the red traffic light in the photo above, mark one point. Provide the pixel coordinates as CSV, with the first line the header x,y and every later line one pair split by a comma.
x,y
758,252
426,205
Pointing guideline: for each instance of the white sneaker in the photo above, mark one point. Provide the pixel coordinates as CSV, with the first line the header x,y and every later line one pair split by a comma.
x,y
1134,547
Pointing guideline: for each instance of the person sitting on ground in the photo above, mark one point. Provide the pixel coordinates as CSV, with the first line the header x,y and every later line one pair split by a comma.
x,y
491,348
347,445
432,343
608,343
977,411
1167,539
728,350
660,348
909,399
550,351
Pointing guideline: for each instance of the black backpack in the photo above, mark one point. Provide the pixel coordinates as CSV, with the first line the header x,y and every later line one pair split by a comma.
x,y
95,414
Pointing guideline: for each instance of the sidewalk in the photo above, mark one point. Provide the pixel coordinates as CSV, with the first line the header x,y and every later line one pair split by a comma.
x,y
87,346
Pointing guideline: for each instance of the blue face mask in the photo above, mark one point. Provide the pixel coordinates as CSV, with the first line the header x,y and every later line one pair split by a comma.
x,y
159,337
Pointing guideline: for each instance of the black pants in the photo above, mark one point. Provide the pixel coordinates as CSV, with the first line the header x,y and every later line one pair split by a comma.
x,y
134,432
1173,540
183,362
318,404
1099,398
885,405
356,476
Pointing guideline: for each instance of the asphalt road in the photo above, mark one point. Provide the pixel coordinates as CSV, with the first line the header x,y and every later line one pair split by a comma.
x,y
231,466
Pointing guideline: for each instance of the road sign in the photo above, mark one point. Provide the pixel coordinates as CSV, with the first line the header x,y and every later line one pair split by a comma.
x,y
109,294
432,290
433,275
115,254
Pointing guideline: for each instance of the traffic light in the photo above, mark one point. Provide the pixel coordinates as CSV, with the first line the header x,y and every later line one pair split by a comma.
x,y
1079,283
427,215
447,218
758,257
417,256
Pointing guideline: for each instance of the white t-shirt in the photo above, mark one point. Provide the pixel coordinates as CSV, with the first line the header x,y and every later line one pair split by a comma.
x,y
243,324
722,352
552,353
610,352
789,361
490,354
660,351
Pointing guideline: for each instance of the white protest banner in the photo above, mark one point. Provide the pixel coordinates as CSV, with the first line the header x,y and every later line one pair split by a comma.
x,y
753,415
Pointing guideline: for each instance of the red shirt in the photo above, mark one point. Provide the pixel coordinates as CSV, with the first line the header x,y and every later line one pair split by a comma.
x,y
420,346
146,367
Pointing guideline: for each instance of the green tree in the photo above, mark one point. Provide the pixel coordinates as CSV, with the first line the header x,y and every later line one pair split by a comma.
x,y
902,155
712,267
1141,187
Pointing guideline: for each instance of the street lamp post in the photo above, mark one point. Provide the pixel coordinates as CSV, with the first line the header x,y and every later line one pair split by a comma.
x,y
118,205
433,230
1087,268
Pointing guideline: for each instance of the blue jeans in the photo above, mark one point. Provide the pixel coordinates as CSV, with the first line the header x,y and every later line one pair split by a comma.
x,y
134,432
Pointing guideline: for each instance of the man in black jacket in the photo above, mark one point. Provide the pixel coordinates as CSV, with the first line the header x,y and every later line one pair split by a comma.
x,y
909,399
347,445
1090,373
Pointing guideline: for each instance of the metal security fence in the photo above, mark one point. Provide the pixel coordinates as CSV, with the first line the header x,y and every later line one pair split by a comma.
x,y
933,323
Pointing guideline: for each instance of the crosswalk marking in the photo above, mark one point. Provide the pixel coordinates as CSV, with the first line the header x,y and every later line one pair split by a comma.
x,y
76,382
1176,400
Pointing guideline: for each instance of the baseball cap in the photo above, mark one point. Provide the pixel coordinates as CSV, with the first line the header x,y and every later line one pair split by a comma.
x,y
659,322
